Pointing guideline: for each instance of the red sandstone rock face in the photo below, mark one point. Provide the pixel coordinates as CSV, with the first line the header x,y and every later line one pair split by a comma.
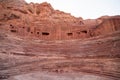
x,y
108,25
41,21
96,56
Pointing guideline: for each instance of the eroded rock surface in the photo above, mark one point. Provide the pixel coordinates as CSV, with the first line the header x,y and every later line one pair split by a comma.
x,y
37,40
41,21
97,56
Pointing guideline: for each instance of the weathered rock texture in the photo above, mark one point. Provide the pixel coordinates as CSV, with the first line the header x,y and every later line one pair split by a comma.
x,y
98,56
41,21
35,37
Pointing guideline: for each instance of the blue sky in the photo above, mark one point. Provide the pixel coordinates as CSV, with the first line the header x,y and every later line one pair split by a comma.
x,y
85,8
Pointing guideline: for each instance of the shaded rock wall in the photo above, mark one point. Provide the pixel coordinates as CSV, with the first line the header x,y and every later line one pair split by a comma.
x,y
107,26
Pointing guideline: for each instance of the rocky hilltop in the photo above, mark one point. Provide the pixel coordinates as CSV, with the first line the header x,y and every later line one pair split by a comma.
x,y
41,21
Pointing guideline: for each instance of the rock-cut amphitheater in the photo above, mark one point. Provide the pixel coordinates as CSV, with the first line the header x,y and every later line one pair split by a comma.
x,y
38,42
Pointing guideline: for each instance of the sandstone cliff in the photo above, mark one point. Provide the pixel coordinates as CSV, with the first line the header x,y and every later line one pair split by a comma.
x,y
40,43
41,21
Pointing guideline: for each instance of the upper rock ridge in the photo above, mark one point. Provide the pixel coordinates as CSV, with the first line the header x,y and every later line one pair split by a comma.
x,y
13,2
41,21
